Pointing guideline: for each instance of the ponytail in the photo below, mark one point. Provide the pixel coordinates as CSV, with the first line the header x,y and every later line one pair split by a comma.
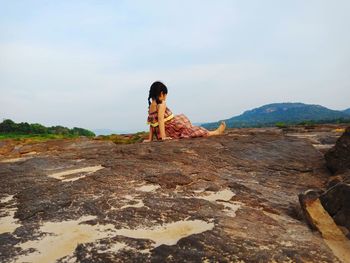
x,y
149,99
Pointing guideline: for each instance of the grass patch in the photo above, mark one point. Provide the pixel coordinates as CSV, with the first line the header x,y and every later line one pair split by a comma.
x,y
35,137
124,138
116,138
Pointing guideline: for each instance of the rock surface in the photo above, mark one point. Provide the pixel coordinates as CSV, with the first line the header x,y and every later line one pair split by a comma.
x,y
320,219
337,203
336,200
230,198
338,158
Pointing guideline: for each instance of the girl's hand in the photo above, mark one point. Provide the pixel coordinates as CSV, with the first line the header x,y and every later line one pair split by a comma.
x,y
167,138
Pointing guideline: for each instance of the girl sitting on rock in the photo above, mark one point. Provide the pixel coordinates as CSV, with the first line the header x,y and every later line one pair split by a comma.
x,y
164,125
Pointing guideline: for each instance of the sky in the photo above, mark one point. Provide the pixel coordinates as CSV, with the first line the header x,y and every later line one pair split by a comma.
x,y
90,63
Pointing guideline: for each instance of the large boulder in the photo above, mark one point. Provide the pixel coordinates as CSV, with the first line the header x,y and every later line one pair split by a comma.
x,y
338,158
319,219
337,203
336,200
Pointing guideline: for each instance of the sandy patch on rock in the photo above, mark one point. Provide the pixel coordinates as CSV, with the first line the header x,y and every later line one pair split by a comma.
x,y
86,171
231,208
6,199
8,223
137,205
222,197
148,188
14,160
167,234
62,238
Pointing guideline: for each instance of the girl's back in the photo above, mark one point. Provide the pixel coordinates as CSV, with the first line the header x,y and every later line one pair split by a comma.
x,y
152,107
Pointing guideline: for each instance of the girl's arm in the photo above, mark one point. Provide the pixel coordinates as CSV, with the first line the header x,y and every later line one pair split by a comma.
x,y
161,112
150,137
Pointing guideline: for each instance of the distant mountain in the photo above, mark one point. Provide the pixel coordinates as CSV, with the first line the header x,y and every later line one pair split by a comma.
x,y
347,111
287,113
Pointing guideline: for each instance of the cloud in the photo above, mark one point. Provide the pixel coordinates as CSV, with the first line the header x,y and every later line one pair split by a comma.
x,y
90,64
85,94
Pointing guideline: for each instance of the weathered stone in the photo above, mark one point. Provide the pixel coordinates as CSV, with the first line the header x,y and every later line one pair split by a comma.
x,y
324,223
338,158
306,199
334,180
6,146
346,176
228,198
337,202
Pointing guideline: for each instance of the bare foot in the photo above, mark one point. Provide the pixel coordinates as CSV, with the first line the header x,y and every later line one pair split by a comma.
x,y
221,128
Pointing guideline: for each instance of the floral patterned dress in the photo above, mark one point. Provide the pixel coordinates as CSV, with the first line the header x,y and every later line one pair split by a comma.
x,y
176,126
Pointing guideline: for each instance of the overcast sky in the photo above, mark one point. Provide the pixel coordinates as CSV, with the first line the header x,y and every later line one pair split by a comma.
x,y
90,63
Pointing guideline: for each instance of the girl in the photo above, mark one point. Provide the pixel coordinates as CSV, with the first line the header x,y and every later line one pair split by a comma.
x,y
164,125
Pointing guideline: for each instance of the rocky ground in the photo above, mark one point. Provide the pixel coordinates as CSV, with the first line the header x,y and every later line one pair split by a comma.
x,y
230,198
328,210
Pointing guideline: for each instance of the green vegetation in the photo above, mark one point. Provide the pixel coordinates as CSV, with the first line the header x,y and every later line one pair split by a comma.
x,y
36,132
124,139
11,130
281,125
35,137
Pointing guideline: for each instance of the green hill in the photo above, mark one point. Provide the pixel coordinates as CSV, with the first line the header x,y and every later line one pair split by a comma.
x,y
347,111
283,113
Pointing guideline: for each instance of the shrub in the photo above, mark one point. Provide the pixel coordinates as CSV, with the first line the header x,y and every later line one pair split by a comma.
x,y
281,125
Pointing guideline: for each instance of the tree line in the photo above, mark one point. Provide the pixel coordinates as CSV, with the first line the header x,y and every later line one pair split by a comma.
x,y
9,126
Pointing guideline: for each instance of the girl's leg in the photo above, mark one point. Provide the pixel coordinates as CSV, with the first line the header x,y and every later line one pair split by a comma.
x,y
219,130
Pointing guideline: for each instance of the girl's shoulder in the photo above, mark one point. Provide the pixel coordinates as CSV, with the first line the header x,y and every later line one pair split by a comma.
x,y
154,108
163,107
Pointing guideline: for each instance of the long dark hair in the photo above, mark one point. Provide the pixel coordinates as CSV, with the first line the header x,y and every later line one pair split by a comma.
x,y
155,90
